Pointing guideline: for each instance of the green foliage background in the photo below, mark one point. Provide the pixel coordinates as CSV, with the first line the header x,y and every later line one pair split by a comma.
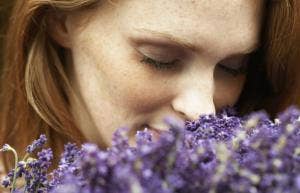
x,y
5,8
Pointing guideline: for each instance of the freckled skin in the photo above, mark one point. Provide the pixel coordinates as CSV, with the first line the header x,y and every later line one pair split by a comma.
x,y
119,90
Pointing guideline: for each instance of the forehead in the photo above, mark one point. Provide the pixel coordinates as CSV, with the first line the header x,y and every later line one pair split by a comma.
x,y
217,25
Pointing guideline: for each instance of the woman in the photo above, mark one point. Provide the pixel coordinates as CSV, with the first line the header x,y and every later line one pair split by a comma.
x,y
78,69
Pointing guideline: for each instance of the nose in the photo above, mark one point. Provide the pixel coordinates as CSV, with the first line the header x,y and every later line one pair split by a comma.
x,y
192,102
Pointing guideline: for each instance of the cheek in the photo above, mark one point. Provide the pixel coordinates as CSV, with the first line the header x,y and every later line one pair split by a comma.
x,y
129,85
120,77
227,91
135,88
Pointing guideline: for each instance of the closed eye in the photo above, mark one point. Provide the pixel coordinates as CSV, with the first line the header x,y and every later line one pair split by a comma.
x,y
233,71
159,65
235,66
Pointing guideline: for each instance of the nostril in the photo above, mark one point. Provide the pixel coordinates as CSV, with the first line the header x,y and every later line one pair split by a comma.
x,y
143,127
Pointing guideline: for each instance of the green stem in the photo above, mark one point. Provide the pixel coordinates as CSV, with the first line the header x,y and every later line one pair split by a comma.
x,y
26,156
15,170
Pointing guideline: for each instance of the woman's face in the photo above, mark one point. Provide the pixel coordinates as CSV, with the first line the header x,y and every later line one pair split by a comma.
x,y
135,62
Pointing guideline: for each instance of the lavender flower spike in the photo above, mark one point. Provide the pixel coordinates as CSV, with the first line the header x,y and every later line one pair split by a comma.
x,y
36,144
5,147
219,153
174,122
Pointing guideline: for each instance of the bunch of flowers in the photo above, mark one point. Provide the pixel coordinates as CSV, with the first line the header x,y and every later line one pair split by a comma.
x,y
216,153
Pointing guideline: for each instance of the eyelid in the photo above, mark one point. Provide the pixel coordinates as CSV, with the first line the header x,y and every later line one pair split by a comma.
x,y
235,72
236,62
160,56
161,62
154,45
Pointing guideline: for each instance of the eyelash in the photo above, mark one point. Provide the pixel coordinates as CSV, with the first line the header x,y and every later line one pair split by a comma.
x,y
234,72
170,65
158,64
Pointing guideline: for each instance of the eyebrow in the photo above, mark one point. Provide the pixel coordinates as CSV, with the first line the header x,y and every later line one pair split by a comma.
x,y
175,40
185,43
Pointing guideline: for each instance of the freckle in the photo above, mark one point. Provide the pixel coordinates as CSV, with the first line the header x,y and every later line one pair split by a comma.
x,y
165,82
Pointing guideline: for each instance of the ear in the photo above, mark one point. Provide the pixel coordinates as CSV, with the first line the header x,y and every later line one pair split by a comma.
x,y
58,29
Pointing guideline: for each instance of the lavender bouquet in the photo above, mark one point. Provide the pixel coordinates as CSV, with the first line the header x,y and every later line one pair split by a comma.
x,y
216,153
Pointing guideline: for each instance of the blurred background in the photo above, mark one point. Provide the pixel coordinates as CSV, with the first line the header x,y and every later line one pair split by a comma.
x,y
5,7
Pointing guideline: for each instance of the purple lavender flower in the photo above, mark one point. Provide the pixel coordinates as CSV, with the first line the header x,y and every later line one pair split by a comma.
x,y
37,144
70,154
18,191
6,182
5,147
220,127
36,175
216,153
